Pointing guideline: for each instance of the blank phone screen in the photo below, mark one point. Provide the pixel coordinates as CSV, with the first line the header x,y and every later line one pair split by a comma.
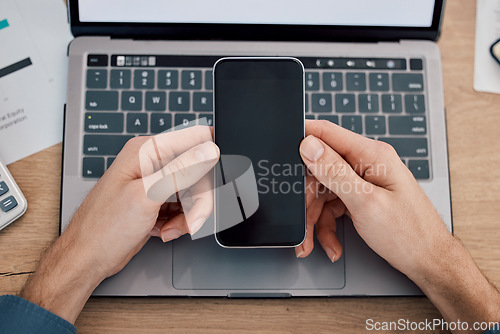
x,y
259,114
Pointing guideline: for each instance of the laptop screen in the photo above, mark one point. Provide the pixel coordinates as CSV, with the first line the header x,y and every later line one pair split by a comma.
x,y
377,13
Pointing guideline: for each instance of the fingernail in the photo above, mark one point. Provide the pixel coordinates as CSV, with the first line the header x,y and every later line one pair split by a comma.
x,y
311,148
331,254
196,225
207,152
155,232
300,252
170,234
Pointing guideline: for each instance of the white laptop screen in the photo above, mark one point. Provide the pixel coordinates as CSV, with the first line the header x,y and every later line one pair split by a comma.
x,y
381,13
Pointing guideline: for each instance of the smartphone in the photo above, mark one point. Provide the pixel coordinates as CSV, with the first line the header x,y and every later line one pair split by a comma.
x,y
259,114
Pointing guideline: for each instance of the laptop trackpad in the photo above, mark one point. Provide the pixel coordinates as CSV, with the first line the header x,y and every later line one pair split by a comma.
x,y
204,265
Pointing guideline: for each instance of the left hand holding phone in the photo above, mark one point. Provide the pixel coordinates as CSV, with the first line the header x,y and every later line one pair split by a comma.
x,y
117,218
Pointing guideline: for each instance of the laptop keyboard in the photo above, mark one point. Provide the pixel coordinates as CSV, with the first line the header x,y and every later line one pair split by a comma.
x,y
131,95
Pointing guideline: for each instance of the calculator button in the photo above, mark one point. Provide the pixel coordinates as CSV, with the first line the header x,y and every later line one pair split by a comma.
x,y
8,204
3,188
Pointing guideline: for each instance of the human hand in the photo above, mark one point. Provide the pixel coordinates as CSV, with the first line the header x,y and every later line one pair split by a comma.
x,y
390,211
368,182
122,211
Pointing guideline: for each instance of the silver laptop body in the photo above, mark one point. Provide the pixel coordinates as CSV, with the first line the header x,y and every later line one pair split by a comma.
x,y
201,267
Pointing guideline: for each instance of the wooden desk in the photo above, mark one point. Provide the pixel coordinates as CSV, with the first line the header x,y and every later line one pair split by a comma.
x,y
474,146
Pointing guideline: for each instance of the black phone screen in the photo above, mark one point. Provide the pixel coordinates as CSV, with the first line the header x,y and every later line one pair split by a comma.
x,y
259,114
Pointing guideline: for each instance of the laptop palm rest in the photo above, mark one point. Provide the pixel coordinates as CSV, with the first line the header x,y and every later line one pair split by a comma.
x,y
204,265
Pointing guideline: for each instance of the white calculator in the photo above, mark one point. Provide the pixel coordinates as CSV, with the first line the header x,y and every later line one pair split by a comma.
x,y
12,202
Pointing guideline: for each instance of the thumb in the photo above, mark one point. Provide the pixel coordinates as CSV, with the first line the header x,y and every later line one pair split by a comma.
x,y
329,168
182,172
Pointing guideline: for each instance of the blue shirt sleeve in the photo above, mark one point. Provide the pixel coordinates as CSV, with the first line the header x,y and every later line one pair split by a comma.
x,y
494,330
17,315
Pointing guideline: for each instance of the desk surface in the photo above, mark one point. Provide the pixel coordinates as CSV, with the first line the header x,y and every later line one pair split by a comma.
x,y
474,143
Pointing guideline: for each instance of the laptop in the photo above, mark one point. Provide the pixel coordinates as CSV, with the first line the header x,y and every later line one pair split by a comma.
x,y
142,67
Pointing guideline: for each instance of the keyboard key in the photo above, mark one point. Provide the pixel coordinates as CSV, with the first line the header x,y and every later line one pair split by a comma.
x,y
203,102
321,102
184,119
353,123
132,101
109,162
104,144
160,122
101,100
416,64
191,79
93,167
379,82
356,81
407,125
156,101
104,122
408,147
368,103
307,102
345,103
137,123
392,103
407,82
414,104
331,118
375,125
97,79
419,169
120,79
3,188
209,119
97,60
310,117
144,79
312,81
168,79
209,80
178,101
8,204
332,81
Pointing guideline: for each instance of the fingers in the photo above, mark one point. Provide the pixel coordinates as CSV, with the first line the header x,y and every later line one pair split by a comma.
x,y
197,203
313,213
173,228
335,173
377,162
326,228
182,172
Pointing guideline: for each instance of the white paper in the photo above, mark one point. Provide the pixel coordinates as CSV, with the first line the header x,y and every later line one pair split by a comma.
x,y
486,69
32,98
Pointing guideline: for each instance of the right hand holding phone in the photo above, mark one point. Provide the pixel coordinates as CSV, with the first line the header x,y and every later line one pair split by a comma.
x,y
369,183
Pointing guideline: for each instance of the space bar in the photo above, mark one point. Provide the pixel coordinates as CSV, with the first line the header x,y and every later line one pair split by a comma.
x,y
103,144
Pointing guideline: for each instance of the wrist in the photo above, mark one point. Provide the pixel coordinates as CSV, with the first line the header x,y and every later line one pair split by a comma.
x,y
450,278
63,281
